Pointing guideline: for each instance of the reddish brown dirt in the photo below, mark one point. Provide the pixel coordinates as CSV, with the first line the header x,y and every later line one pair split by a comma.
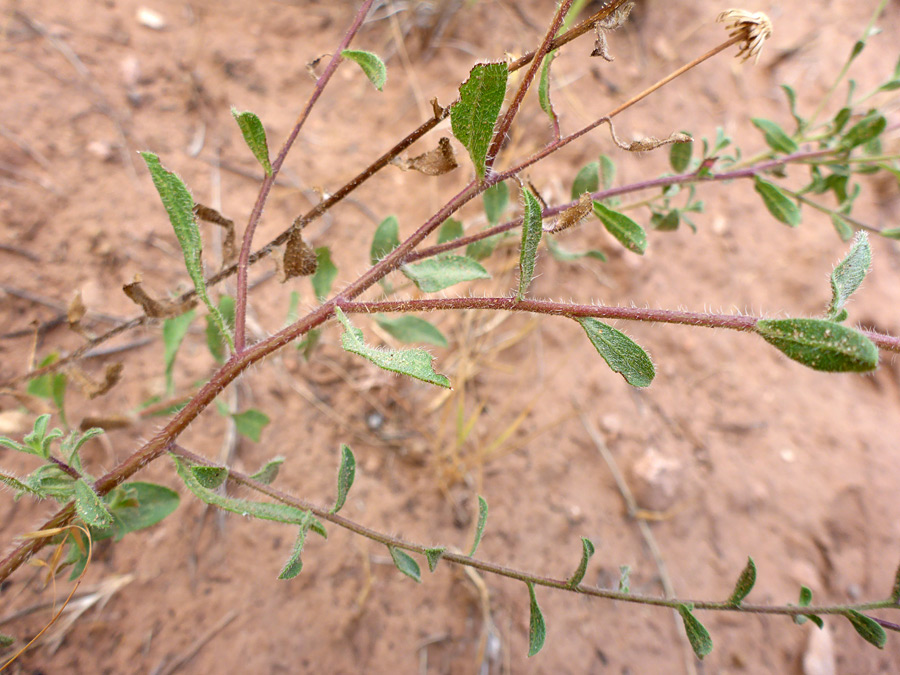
x,y
796,468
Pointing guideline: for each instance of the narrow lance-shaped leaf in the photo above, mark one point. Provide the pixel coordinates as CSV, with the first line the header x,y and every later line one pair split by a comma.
x,y
775,136
385,240
179,205
268,471
849,274
778,202
346,474
868,629
895,590
436,274
495,200
864,131
473,117
482,521
620,352
532,229
405,564
255,136
214,337
371,65
820,344
413,362
433,556
744,583
408,328
806,598
544,92
697,634
587,550
537,629
624,579
18,486
174,331
325,274
90,507
294,564
631,235
210,477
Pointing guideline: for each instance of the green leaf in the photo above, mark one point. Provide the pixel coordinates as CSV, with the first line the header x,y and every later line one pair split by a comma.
x,y
281,513
895,590
6,641
254,135
386,239
666,222
544,89
210,477
587,550
51,481
450,229
214,338
805,599
620,352
586,180
629,233
413,362
697,635
868,629
792,105
532,229
680,156
624,579
18,486
38,441
483,248
269,471
849,274
778,202
136,506
179,205
408,328
405,564
840,120
482,521
51,386
371,65
865,130
325,274
565,255
891,233
250,423
495,199
173,333
820,344
744,583
433,556
90,507
607,172
843,228
346,473
537,629
473,117
436,274
775,136
294,564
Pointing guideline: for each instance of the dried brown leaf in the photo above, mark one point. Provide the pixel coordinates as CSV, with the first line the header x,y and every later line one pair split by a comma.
x,y
435,162
574,214
155,309
296,259
76,309
210,215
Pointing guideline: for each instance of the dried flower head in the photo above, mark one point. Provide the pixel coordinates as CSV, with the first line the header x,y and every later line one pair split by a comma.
x,y
754,27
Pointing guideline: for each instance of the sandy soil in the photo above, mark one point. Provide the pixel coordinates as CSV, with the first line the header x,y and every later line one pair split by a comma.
x,y
795,468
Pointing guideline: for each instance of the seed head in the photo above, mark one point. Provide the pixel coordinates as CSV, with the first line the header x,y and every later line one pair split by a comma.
x,y
754,27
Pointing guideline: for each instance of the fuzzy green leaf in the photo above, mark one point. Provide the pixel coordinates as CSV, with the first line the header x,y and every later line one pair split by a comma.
x,y
250,423
680,156
544,89
408,328
895,590
18,486
405,564
433,556
868,629
413,362
482,521
483,248
778,202
744,583
891,233
607,172
697,634
532,228
587,550
179,205
214,338
346,474
495,199
436,274
820,344
51,386
565,255
586,180
473,117
325,274
6,641
255,136
386,239
268,472
210,477
849,274
450,229
371,65
806,598
90,507
174,331
294,564
792,105
775,136
537,629
624,579
136,506
620,352
841,226
865,130
629,233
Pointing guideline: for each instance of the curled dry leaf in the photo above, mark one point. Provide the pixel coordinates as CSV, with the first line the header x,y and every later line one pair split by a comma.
x,y
92,389
107,423
650,142
615,20
76,310
296,259
753,27
574,214
155,309
210,215
435,162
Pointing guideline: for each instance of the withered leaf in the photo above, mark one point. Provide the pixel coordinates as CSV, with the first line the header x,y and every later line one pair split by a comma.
x,y
105,423
435,162
92,389
155,309
574,214
297,259
210,215
76,309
